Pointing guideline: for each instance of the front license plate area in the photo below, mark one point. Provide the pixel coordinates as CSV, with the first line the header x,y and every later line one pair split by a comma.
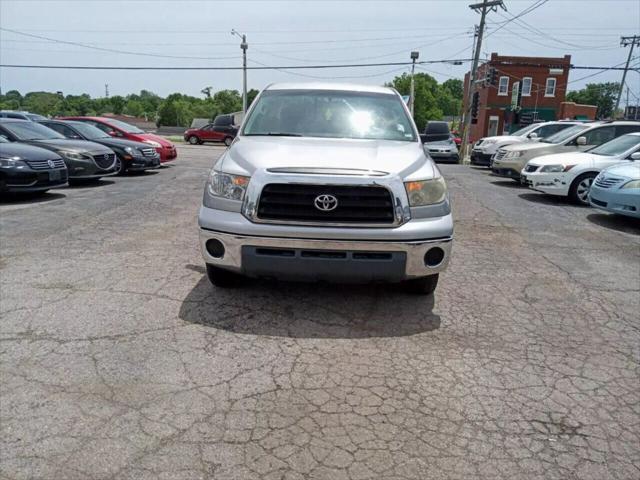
x,y
54,175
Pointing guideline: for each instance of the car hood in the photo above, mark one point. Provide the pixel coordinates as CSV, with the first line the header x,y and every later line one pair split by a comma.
x,y
573,158
26,152
77,145
120,143
501,138
248,154
625,169
156,138
526,146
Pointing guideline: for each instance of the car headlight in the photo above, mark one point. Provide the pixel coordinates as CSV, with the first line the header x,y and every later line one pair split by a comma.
x,y
489,142
513,154
73,155
131,151
632,184
556,168
226,185
11,162
426,192
152,143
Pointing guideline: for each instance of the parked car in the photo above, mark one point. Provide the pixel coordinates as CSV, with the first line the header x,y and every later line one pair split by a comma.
x,y
25,168
485,148
84,160
130,155
327,182
118,129
21,115
439,142
221,130
571,174
510,160
617,188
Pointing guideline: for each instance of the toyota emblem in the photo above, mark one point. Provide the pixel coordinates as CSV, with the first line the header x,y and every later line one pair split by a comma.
x,y
326,203
52,164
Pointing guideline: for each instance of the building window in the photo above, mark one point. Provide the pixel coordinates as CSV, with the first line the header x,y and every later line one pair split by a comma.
x,y
503,86
550,88
526,87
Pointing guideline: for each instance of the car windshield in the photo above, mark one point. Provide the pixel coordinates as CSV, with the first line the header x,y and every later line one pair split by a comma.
x,y
523,131
125,127
31,131
3,139
617,146
565,134
35,117
89,131
330,114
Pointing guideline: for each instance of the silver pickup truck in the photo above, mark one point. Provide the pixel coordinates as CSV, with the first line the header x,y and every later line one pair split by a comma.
x,y
327,182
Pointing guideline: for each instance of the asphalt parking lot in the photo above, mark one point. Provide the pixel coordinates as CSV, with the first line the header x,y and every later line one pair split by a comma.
x,y
119,359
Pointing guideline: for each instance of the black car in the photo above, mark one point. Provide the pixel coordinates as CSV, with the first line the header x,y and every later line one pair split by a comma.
x,y
130,155
84,160
25,168
19,115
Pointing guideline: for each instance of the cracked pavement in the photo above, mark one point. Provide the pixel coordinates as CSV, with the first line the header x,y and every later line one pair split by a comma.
x,y
120,361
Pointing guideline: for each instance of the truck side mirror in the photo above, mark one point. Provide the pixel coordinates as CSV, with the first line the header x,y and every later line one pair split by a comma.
x,y
581,141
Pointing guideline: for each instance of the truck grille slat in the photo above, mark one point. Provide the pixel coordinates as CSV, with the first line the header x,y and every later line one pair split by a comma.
x,y
356,204
44,164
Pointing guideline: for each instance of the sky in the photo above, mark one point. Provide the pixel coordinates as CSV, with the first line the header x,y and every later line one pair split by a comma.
x,y
289,33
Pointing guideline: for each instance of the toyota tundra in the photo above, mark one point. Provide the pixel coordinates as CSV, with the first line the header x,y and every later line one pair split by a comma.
x,y
327,182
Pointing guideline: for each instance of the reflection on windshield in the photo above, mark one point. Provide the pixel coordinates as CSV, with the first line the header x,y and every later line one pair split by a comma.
x,y
565,134
89,131
125,127
525,130
31,131
330,114
617,146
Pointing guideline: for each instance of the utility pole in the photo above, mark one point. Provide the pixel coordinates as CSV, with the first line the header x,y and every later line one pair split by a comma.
x,y
414,57
106,90
484,8
244,45
626,41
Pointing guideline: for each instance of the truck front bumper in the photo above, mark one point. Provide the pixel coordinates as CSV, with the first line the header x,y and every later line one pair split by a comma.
x,y
419,248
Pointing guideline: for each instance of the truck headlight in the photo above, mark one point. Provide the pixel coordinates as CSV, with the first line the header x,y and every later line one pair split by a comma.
x,y
632,184
426,192
556,168
226,185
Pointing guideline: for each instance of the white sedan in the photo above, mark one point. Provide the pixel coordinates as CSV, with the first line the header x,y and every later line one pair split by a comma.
x,y
571,174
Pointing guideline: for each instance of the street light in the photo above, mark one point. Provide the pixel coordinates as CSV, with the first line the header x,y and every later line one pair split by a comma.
x,y
244,45
414,57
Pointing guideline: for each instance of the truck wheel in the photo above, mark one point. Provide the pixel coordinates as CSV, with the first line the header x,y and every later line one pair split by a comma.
x,y
193,140
227,141
579,191
223,278
423,285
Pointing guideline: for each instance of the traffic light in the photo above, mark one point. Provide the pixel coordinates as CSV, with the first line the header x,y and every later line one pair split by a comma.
x,y
475,104
492,76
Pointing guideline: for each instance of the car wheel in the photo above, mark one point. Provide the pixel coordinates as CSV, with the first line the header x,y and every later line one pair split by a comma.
x,y
193,140
121,168
228,141
579,191
422,286
223,278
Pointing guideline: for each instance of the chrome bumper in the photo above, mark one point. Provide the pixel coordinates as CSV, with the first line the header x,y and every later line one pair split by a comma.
x,y
414,250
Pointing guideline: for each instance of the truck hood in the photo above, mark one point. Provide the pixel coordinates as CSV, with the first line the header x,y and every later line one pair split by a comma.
x,y
248,154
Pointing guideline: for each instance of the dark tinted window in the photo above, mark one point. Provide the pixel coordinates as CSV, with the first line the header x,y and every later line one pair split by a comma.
x,y
549,130
223,120
63,129
101,126
623,129
436,131
31,131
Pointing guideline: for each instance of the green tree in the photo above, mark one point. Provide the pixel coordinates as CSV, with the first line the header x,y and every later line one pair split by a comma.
x,y
426,91
455,87
603,95
228,101
251,96
117,104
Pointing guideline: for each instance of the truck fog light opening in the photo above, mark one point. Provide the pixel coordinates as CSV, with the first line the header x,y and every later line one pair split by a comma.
x,y
433,257
215,248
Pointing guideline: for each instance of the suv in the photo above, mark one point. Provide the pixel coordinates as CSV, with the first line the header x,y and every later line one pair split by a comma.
x,y
327,182
221,130
486,147
16,115
510,160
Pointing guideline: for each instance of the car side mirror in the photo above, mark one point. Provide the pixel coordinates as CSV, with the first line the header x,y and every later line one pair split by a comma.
x,y
112,133
532,136
635,156
581,141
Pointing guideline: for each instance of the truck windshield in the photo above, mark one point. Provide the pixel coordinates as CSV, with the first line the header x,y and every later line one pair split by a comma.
x,y
617,146
330,114
565,134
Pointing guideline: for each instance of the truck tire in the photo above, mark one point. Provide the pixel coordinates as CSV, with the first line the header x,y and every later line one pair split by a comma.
x,y
222,278
193,140
579,191
423,285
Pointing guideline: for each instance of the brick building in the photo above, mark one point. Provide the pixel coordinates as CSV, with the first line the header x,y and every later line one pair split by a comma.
x,y
542,86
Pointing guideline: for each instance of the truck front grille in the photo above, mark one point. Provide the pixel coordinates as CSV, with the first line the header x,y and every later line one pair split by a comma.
x,y
297,202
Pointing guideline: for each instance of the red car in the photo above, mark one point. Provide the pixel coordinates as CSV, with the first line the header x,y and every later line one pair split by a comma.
x,y
221,130
118,129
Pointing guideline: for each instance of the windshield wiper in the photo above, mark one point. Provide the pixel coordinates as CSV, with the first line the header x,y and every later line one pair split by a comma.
x,y
273,134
